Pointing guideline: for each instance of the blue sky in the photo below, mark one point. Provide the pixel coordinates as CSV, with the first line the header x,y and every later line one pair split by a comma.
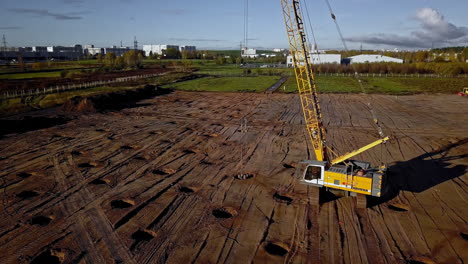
x,y
218,24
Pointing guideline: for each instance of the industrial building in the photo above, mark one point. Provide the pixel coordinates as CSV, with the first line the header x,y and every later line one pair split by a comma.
x,y
371,58
118,51
319,59
93,51
249,53
158,49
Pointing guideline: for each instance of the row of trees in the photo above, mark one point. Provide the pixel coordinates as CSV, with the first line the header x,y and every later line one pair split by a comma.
x,y
130,59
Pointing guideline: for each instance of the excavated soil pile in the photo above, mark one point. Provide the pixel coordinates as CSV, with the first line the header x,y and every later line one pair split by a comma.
x,y
112,101
163,182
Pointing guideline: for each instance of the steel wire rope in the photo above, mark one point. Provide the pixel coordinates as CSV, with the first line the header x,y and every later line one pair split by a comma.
x,y
356,74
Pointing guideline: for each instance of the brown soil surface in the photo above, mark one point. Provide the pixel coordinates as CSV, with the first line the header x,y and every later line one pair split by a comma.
x,y
162,182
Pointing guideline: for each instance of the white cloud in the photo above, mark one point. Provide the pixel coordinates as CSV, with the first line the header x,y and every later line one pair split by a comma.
x,y
433,29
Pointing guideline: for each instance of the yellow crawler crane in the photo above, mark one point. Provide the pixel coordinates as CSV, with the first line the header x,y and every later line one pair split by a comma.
x,y
342,173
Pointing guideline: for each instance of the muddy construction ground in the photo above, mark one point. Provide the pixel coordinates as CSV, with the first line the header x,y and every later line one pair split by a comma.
x,y
156,183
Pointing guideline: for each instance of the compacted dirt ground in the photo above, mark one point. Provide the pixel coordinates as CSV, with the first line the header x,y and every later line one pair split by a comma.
x,y
159,183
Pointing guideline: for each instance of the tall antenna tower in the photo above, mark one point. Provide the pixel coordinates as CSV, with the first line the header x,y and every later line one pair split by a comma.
x,y
135,44
246,24
4,47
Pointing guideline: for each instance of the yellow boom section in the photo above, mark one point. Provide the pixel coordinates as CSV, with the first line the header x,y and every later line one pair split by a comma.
x,y
354,153
304,76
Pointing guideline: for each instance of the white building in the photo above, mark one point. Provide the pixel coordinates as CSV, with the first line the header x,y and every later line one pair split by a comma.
x,y
372,58
157,49
279,50
318,59
249,53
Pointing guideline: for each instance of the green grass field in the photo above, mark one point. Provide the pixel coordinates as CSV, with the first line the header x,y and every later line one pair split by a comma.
x,y
393,86
227,84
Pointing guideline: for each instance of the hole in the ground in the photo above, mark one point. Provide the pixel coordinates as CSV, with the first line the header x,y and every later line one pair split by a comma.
x,y
100,130
122,204
126,147
77,153
186,189
164,171
283,198
40,220
399,207
420,260
51,256
277,249
100,182
224,212
189,151
27,194
86,165
142,158
143,235
244,176
464,235
289,165
205,162
24,175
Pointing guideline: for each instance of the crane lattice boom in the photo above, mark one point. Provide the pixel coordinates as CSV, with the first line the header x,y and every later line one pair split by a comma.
x,y
304,76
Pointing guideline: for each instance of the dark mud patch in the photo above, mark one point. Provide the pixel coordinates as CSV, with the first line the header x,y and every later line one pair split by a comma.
x,y
27,195
51,256
224,212
40,220
277,249
122,204
283,198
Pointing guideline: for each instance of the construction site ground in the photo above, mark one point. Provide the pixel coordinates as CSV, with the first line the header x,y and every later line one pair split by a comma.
x,y
163,182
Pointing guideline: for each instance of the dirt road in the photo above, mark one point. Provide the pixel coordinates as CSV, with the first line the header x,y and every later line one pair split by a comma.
x,y
157,183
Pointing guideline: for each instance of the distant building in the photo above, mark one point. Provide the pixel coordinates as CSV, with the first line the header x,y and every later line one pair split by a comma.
x,y
187,48
279,50
158,49
118,51
94,51
371,58
249,53
39,49
318,59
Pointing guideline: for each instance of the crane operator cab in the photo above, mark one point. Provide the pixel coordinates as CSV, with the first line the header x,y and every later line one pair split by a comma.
x,y
352,175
